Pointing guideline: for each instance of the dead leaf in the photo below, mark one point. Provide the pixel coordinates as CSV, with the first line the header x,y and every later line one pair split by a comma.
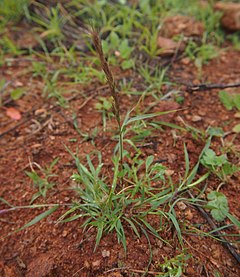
x,y
13,113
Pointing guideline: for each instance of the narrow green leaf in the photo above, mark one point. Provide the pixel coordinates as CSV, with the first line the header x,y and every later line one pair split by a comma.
x,y
39,217
186,161
177,227
234,220
146,116
133,226
99,234
121,234
199,180
72,218
149,227
171,125
6,202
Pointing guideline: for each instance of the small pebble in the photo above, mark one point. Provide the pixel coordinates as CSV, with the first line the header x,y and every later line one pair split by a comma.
x,y
182,206
105,253
96,263
196,118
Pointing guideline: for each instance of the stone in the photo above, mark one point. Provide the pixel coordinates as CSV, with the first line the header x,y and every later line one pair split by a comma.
x,y
181,205
96,264
105,253
196,118
179,24
167,45
231,15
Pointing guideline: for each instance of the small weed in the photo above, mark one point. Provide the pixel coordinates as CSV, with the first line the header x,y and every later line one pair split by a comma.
x,y
41,181
153,80
235,39
51,27
149,41
175,266
12,10
104,105
211,20
218,205
201,54
107,208
39,69
121,49
219,165
8,46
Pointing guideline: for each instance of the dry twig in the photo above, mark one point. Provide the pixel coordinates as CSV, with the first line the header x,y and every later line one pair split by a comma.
x,y
203,87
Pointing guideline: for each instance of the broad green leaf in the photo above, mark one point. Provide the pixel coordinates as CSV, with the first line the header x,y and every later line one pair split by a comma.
x,y
105,47
126,64
217,132
229,169
226,99
17,93
218,205
114,39
236,100
211,159
149,161
125,49
236,128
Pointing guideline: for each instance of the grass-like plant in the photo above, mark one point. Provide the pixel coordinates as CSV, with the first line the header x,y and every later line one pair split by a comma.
x,y
107,208
12,10
41,180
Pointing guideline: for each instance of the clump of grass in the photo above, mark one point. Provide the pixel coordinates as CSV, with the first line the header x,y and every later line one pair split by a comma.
x,y
12,10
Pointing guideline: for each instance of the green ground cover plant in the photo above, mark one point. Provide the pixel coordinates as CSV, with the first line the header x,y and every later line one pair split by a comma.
x,y
42,180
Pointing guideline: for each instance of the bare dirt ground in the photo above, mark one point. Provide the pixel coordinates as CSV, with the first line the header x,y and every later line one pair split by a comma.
x,y
50,249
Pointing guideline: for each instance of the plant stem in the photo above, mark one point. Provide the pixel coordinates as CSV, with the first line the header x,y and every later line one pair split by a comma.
x,y
112,86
